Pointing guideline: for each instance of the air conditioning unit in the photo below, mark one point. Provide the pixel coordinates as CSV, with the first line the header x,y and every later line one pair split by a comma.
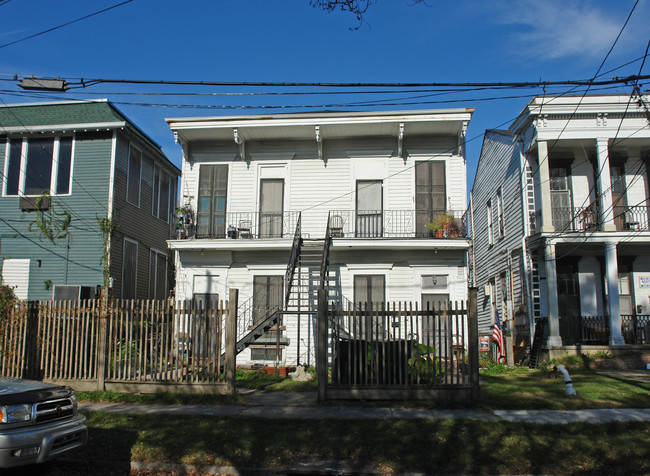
x,y
72,293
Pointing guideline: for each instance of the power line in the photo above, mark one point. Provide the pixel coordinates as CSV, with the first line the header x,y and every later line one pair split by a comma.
x,y
64,24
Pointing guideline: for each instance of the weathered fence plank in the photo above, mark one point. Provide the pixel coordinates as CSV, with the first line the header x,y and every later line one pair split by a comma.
x,y
138,345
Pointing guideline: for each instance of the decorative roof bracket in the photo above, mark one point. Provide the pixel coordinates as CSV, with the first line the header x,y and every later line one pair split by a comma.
x,y
319,141
400,140
240,142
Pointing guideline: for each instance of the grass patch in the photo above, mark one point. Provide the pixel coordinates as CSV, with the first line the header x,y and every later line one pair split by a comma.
x,y
447,446
163,398
502,388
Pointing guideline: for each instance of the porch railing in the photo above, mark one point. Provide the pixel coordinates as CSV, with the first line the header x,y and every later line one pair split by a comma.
x,y
589,218
636,328
584,330
252,225
396,223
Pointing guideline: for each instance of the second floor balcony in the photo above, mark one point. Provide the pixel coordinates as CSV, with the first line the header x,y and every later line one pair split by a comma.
x,y
590,218
343,224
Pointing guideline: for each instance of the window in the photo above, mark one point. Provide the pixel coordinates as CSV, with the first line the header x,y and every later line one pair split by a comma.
x,y
430,194
157,275
500,224
129,269
36,166
267,299
133,178
271,207
211,213
369,289
164,191
489,223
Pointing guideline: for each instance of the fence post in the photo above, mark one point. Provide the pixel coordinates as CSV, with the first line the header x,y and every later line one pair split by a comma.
x,y
102,324
472,336
321,345
231,340
32,356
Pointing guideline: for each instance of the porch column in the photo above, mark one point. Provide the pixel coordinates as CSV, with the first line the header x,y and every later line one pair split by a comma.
x,y
613,305
554,338
545,187
604,184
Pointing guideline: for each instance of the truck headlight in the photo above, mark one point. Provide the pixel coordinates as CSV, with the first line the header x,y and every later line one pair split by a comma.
x,y
15,413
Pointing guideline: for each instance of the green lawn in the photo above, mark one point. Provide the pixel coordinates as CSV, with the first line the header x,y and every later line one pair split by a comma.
x,y
447,446
433,446
520,388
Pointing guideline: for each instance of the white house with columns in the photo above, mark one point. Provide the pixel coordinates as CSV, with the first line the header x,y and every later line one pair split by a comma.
x,y
561,223
266,190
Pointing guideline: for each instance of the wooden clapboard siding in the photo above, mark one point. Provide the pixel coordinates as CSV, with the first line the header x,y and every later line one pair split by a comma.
x,y
499,167
88,199
137,222
329,184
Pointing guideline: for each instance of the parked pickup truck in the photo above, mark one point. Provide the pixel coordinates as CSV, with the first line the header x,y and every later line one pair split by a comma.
x,y
38,422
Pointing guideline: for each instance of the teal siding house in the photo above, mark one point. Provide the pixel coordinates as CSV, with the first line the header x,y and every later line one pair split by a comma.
x,y
87,199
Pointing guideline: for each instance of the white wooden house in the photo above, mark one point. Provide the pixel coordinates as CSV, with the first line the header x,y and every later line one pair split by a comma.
x,y
265,191
560,222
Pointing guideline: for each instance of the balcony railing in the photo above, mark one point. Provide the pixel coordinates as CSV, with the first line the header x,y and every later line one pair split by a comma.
x,y
247,225
586,219
636,328
397,223
631,218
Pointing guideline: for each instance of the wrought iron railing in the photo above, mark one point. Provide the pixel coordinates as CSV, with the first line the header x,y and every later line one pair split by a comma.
x,y
636,328
396,223
584,330
251,225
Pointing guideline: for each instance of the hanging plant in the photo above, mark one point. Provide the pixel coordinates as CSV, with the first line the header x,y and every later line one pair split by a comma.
x,y
51,223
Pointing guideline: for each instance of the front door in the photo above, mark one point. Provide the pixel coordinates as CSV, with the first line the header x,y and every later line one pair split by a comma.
x,y
369,208
271,208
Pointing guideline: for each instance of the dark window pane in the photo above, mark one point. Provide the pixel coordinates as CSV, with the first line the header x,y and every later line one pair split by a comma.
x,y
133,184
38,171
65,161
129,271
164,197
13,169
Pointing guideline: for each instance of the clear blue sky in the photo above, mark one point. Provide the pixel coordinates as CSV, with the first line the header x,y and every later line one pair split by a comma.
x,y
290,41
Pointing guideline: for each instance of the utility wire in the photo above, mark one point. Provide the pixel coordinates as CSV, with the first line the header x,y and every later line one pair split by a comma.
x,y
64,24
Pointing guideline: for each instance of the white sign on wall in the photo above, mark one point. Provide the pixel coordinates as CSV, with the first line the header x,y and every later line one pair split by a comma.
x,y
644,281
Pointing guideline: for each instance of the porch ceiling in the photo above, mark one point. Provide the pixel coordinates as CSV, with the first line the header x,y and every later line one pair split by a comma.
x,y
331,125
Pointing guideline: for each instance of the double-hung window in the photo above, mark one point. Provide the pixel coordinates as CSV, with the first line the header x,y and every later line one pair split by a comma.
x,y
133,176
34,166
164,194
490,225
500,224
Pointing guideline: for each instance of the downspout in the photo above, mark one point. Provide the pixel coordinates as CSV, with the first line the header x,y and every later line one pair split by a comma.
x,y
567,381
526,231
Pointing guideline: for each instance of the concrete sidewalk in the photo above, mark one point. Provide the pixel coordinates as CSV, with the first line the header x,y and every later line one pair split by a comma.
x,y
304,405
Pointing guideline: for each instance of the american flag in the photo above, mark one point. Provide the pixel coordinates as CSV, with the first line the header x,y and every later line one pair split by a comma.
x,y
497,335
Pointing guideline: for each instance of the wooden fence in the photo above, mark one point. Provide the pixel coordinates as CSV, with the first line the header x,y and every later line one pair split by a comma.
x,y
126,345
396,350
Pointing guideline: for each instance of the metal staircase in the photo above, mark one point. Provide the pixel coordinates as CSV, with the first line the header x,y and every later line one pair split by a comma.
x,y
307,271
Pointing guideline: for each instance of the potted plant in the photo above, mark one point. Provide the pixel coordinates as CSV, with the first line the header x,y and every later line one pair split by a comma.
x,y
184,221
445,226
